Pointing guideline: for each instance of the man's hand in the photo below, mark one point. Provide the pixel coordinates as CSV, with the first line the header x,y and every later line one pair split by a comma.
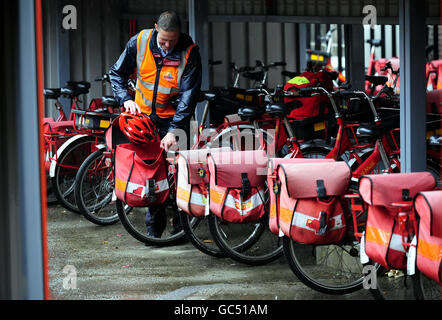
x,y
131,106
168,140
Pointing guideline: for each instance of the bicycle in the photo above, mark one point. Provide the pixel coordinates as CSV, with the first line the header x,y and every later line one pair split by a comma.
x,y
87,133
58,131
300,256
275,117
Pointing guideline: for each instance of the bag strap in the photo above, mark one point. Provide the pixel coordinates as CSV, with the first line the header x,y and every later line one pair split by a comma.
x,y
320,189
245,188
150,188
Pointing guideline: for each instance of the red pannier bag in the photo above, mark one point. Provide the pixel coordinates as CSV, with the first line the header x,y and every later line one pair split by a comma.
x,y
140,170
193,180
428,206
237,185
55,134
274,187
315,105
383,237
310,207
141,174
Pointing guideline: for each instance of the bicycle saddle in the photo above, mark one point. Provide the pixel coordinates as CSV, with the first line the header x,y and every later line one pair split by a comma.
x,y
377,80
110,101
250,113
77,87
375,42
277,110
375,131
52,93
206,95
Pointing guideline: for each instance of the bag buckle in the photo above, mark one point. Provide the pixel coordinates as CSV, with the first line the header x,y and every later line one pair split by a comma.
x,y
150,187
245,188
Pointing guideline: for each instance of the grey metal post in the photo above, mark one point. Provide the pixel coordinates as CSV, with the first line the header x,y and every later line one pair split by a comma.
x,y
354,55
20,167
413,94
302,45
63,54
199,31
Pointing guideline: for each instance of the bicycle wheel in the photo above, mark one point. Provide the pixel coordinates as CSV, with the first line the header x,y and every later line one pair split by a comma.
x,y
315,152
250,243
134,221
67,165
392,285
331,269
198,233
435,170
425,288
242,137
94,189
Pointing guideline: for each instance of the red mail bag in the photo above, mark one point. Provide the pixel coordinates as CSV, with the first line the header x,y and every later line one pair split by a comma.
x,y
310,208
428,206
237,185
383,237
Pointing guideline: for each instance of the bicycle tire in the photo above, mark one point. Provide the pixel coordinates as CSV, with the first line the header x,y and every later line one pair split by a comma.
x,y
310,264
251,248
133,222
200,236
315,152
94,190
425,288
67,165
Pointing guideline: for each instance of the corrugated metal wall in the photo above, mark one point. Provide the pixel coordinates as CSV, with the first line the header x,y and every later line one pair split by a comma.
x,y
240,32
91,49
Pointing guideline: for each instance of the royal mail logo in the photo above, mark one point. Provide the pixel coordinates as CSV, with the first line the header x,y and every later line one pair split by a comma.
x,y
243,205
169,77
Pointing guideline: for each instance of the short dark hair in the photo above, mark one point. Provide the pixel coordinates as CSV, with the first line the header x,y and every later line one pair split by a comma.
x,y
169,21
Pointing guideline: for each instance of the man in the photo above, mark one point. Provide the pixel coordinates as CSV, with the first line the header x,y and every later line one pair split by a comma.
x,y
168,66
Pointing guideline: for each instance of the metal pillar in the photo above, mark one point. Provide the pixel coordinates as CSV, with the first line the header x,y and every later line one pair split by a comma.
x,y
412,27
199,31
302,45
354,55
21,227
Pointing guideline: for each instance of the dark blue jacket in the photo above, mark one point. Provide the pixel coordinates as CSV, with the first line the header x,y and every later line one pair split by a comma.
x,y
190,85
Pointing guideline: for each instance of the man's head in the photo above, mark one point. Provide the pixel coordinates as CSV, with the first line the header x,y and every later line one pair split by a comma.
x,y
168,27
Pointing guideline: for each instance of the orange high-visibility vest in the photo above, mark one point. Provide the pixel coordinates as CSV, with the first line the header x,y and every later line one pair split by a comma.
x,y
157,87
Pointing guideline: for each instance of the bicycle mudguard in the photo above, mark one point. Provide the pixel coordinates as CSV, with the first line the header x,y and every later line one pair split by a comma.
x,y
310,208
384,238
428,206
274,187
60,151
193,181
141,174
237,185
55,134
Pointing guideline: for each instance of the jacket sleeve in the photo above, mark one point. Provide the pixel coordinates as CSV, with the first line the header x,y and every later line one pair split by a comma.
x,y
120,72
190,87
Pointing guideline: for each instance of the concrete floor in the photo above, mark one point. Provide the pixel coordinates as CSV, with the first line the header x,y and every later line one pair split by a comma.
x,y
108,263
